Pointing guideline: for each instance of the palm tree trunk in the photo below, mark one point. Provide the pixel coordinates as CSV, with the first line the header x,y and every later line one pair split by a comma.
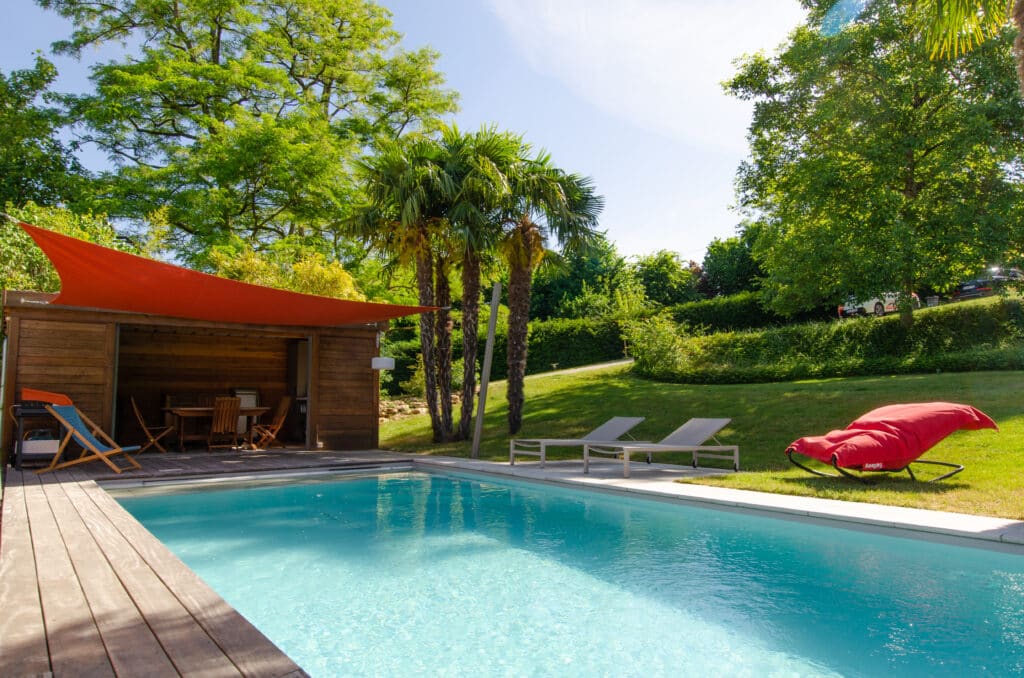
x,y
443,353
425,287
470,340
518,326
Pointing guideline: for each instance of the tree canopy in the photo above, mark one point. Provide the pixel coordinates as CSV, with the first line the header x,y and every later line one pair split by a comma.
x,y
35,165
241,118
729,264
874,168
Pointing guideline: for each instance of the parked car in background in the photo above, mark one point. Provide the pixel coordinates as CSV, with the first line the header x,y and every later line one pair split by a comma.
x,y
988,284
887,303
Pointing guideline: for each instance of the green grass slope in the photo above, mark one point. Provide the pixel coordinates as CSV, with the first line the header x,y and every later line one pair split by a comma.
x,y
766,418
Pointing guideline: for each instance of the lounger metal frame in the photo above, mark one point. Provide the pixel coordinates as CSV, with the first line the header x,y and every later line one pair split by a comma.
x,y
607,433
861,479
689,437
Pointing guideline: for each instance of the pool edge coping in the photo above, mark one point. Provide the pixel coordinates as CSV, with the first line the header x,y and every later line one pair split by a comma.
x,y
966,529
925,523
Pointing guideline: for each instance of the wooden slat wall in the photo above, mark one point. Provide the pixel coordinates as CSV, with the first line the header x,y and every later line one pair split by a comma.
x,y
346,410
73,358
154,364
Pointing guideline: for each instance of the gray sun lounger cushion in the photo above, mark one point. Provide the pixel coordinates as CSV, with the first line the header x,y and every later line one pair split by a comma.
x,y
690,437
608,433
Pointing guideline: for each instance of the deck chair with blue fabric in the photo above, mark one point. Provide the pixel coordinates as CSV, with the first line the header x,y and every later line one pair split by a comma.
x,y
96,445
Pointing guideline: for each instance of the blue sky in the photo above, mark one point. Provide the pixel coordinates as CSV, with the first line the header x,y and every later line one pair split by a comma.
x,y
625,92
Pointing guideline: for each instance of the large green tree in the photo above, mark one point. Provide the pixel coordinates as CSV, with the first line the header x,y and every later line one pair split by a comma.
x,y
560,279
667,279
240,117
729,264
35,165
874,168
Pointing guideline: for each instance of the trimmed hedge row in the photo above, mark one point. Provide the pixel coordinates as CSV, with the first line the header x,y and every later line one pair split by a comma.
x,y
741,311
957,337
561,342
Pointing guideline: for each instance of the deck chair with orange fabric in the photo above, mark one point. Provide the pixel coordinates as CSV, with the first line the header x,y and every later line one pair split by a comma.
x,y
96,445
267,433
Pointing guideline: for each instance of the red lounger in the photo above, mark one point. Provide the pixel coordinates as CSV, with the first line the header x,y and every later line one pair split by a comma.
x,y
890,438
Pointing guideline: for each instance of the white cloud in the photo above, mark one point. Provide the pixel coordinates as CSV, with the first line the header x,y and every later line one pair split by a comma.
x,y
656,64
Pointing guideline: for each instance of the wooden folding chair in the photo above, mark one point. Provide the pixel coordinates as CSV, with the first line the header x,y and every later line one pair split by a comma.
x,y
153,433
268,432
96,445
225,421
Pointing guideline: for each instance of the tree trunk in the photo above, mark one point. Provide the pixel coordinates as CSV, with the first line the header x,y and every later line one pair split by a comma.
x,y
470,340
518,326
443,352
425,287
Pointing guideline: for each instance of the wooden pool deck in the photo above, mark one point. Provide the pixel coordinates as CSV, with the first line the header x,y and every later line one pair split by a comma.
x,y
85,590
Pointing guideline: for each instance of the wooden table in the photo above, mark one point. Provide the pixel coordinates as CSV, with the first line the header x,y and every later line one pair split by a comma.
x,y
183,413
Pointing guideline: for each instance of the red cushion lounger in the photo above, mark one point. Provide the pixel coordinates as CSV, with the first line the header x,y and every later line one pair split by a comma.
x,y
890,438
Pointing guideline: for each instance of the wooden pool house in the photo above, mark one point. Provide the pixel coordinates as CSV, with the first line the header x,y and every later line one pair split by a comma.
x,y
125,327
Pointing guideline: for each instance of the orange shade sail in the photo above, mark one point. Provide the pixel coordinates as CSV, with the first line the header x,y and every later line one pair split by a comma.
x,y
92,276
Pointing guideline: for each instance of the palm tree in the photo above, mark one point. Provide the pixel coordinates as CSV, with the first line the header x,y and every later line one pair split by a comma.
x,y
408,193
544,204
479,161
952,27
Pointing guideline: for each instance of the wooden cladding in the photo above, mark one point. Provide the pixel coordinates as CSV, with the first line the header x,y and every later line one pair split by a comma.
x,y
74,358
347,393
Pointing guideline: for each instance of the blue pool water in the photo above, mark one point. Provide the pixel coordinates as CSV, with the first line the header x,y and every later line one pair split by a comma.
x,y
416,573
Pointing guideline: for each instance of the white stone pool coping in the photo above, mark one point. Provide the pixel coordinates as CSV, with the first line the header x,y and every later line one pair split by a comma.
x,y
659,481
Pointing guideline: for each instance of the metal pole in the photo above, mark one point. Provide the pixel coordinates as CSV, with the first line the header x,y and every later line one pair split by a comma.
x,y
485,373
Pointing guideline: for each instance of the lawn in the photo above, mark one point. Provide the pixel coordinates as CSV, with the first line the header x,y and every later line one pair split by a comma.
x,y
765,419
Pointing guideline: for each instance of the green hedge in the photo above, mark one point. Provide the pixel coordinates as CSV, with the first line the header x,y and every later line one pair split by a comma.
x,y
561,342
742,311
956,337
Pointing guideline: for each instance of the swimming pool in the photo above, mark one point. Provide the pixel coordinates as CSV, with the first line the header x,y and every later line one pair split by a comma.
x,y
407,573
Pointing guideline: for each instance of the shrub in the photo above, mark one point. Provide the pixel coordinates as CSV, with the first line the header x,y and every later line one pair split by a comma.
x,y
662,348
956,337
742,311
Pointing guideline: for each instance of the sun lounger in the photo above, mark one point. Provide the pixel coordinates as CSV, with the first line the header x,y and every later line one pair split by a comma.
x,y
608,432
96,445
889,439
690,437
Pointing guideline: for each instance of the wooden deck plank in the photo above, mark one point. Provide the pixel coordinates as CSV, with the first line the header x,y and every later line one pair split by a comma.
x,y
76,646
23,650
131,646
248,648
184,640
